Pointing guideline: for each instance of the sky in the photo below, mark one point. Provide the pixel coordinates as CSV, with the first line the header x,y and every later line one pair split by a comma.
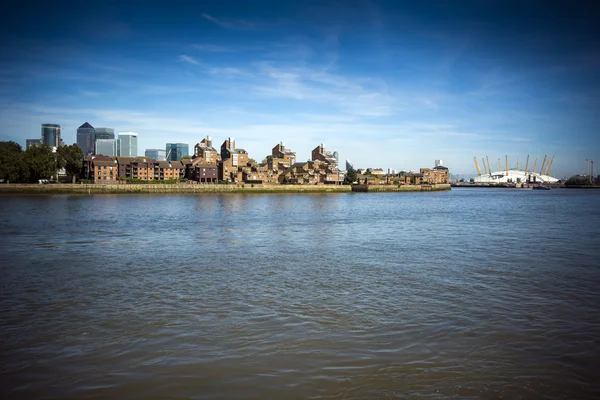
x,y
386,84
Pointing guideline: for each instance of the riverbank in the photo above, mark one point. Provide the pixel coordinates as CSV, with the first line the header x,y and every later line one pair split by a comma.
x,y
202,189
400,188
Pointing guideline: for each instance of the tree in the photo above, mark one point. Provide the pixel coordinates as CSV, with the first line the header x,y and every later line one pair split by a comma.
x,y
351,176
12,163
578,181
70,158
41,161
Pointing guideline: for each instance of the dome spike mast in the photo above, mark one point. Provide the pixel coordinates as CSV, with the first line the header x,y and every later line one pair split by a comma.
x,y
507,165
549,167
489,167
477,166
543,163
527,164
484,167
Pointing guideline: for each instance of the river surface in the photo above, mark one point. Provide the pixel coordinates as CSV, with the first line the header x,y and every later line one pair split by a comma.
x,y
469,294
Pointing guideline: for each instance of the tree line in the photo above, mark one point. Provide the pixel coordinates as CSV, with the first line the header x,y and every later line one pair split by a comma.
x,y
38,162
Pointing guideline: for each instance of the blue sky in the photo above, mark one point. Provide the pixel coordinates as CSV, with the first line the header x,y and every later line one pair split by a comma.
x,y
386,84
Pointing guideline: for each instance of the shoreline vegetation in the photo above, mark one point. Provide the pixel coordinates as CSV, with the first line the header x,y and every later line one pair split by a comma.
x,y
59,188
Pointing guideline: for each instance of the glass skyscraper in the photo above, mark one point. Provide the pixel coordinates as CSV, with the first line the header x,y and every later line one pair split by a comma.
x,y
86,138
157,154
107,147
51,134
128,144
105,133
176,151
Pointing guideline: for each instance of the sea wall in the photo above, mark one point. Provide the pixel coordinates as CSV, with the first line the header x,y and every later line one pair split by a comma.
x,y
200,189
167,189
399,188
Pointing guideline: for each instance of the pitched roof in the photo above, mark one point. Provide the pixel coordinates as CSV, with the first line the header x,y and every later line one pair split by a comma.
x,y
86,125
144,160
105,163
205,165
125,160
101,157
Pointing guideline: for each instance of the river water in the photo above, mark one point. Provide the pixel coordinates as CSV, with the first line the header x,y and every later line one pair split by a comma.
x,y
472,293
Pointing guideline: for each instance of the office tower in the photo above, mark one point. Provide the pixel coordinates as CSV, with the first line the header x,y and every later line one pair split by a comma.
x,y
105,133
106,147
32,142
157,154
86,138
51,134
176,151
128,144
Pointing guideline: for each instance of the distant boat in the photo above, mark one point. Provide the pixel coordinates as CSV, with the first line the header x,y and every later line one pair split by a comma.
x,y
541,187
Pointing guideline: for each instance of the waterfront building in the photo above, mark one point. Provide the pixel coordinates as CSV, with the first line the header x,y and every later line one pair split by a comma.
x,y
51,135
104,169
231,159
176,151
86,138
206,151
129,144
202,172
107,147
320,153
157,154
283,154
435,175
32,142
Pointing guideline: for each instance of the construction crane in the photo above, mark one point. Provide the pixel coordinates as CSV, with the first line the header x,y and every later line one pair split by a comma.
x,y
477,166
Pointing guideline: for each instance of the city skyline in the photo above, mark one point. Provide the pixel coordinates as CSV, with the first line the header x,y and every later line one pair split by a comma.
x,y
386,84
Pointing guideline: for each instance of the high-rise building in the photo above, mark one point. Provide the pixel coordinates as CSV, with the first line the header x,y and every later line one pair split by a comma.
x,y
51,135
32,142
128,144
176,151
105,133
86,138
107,147
157,154
349,165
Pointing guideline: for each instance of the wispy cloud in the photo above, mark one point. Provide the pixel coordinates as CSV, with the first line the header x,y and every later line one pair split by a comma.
x,y
212,48
188,59
228,23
